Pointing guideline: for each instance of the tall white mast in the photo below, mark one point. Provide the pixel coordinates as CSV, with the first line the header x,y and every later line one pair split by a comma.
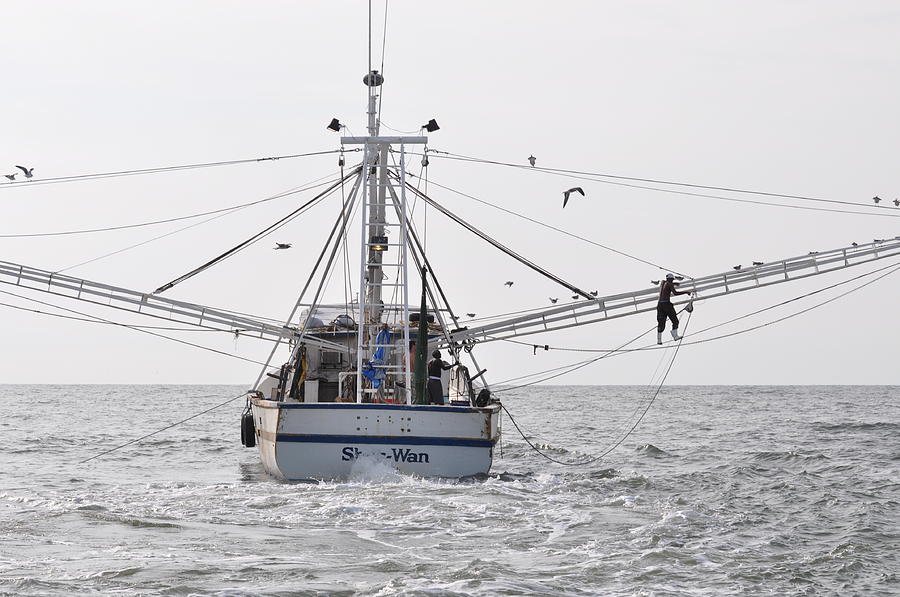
x,y
375,241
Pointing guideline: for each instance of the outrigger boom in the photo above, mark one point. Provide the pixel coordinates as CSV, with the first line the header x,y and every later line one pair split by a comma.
x,y
712,286
544,320
142,303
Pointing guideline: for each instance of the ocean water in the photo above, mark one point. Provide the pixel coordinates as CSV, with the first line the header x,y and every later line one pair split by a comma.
x,y
718,491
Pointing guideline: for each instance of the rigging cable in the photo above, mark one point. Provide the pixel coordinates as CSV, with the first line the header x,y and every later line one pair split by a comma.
x,y
360,175
142,243
99,319
293,191
383,46
143,437
615,445
116,174
545,225
490,240
259,235
87,320
345,258
596,177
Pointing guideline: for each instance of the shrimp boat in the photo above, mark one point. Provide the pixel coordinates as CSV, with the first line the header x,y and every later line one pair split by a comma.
x,y
353,388
362,397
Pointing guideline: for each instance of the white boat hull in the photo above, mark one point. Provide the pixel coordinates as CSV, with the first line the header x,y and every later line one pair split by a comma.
x,y
302,441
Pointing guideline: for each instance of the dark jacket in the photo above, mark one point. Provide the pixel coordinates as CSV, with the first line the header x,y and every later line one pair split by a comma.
x,y
666,290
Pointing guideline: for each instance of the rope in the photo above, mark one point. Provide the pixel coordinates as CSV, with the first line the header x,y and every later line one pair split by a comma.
x,y
167,427
94,176
593,176
383,46
143,329
606,451
554,228
256,237
340,221
176,219
88,320
498,245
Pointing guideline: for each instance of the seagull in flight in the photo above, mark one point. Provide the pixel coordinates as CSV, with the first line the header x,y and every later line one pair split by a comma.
x,y
11,176
855,244
594,293
876,199
897,202
736,268
757,263
282,246
26,171
569,192
532,160
553,300
575,296
508,283
470,314
654,282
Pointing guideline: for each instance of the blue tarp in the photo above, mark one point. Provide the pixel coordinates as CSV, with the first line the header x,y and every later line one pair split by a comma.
x,y
373,370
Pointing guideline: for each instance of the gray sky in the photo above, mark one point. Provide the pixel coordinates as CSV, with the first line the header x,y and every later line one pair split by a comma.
x,y
790,97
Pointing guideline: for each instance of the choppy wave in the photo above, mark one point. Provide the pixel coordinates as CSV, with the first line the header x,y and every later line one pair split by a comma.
x,y
776,493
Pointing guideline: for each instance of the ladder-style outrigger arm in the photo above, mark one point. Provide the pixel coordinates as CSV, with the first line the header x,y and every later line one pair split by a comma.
x,y
151,305
707,287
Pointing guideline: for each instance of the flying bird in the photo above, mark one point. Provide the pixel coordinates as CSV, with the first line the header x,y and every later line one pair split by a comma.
x,y
877,240
813,253
594,293
26,171
553,300
569,192
876,199
11,176
282,246
679,278
855,244
508,283
736,268
897,202
575,296
757,263
654,282
470,314
532,160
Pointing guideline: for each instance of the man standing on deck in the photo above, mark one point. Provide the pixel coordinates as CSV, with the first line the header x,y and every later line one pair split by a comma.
x,y
435,387
665,308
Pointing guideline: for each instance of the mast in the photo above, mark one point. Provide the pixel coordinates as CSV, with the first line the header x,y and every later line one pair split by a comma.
x,y
375,240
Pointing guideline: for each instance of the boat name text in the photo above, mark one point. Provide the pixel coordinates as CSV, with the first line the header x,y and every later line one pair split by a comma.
x,y
396,454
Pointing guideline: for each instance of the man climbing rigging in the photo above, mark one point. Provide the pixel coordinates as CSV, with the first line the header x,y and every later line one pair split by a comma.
x,y
665,308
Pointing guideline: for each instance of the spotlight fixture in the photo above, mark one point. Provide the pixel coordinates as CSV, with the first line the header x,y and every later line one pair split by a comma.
x,y
378,243
431,126
334,125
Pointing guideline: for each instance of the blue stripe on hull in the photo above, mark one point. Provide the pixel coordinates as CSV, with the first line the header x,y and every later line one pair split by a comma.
x,y
374,439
